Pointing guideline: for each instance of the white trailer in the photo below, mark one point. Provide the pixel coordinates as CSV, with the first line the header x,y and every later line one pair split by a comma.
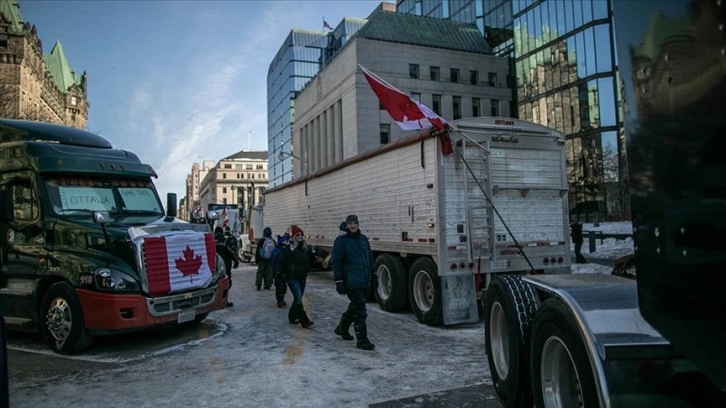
x,y
434,232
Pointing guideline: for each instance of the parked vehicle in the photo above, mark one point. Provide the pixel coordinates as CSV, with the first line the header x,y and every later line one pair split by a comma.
x,y
248,241
429,217
85,246
608,341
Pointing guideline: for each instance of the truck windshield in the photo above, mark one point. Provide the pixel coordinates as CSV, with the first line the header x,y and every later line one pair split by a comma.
x,y
78,195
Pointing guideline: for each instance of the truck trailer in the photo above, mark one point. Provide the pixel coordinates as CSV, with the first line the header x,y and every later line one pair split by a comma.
x,y
85,246
441,224
659,340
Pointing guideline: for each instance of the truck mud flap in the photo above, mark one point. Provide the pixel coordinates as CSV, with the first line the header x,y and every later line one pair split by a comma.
x,y
458,295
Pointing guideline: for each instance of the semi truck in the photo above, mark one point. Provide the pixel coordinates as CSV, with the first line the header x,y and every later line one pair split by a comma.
x,y
86,248
658,340
440,225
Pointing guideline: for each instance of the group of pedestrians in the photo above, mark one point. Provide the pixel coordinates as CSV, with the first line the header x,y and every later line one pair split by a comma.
x,y
287,263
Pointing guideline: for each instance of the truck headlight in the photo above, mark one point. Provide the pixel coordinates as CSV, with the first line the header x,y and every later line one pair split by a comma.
x,y
219,269
113,279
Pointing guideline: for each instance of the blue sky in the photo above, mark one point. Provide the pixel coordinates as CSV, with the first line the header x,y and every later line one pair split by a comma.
x,y
179,82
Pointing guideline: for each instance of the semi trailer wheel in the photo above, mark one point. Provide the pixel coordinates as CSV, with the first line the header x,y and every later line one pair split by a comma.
x,y
61,320
510,306
425,291
561,372
392,290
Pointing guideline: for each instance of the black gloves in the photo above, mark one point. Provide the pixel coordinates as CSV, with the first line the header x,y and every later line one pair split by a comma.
x,y
340,287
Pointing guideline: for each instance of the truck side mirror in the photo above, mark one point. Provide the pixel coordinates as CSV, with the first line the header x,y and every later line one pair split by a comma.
x,y
6,205
171,206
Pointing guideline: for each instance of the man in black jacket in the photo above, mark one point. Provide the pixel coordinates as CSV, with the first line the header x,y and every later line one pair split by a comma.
x,y
352,262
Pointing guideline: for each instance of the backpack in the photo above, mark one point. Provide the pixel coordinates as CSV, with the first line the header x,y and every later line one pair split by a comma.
x,y
266,248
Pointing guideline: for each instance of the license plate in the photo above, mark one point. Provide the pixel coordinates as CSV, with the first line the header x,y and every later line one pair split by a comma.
x,y
186,316
501,264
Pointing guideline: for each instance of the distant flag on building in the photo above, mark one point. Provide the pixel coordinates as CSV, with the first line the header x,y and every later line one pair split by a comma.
x,y
408,114
326,25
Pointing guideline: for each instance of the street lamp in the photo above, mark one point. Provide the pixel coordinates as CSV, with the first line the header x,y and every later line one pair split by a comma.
x,y
281,156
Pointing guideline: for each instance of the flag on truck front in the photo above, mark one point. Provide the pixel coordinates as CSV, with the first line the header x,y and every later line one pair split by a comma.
x,y
179,262
408,114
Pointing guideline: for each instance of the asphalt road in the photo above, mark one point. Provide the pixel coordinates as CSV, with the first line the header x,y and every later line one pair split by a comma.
x,y
250,356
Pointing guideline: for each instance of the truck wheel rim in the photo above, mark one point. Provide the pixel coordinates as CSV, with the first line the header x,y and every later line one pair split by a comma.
x,y
384,283
423,291
560,382
58,320
499,338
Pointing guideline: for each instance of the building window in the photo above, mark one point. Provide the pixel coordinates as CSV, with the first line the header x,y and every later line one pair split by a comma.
x,y
252,176
227,166
3,40
380,105
74,100
248,167
416,96
435,73
495,107
436,103
224,175
475,107
456,105
454,73
260,167
493,79
413,71
385,133
224,190
474,77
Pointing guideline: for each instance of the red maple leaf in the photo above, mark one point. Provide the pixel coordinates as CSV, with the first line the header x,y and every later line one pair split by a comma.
x,y
190,264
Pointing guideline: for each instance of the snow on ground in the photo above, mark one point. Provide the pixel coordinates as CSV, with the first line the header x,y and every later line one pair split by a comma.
x,y
606,250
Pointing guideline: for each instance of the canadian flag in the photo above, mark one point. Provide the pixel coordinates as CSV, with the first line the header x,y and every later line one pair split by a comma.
x,y
408,114
225,217
178,262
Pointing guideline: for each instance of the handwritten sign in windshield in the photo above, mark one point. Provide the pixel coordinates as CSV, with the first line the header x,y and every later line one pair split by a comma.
x,y
86,198
139,199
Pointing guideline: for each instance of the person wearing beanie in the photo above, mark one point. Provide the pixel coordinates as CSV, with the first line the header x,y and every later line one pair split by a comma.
x,y
295,262
265,246
352,261
279,277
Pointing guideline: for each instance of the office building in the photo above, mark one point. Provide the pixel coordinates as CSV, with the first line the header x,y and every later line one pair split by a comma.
x,y
566,78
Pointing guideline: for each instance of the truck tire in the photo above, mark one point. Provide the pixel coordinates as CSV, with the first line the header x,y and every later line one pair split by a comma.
x,y
424,291
61,320
392,290
509,308
561,372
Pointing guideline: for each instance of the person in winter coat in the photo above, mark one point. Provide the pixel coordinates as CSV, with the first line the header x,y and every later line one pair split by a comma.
x,y
352,262
264,271
220,241
231,243
295,261
283,242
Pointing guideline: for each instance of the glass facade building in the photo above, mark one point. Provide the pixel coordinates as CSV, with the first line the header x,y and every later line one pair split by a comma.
x,y
300,58
565,76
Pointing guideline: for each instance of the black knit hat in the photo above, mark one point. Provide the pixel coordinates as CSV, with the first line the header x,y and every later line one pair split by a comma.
x,y
351,218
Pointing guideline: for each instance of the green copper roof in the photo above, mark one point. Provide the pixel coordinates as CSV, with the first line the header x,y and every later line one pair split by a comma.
x,y
58,67
424,31
11,11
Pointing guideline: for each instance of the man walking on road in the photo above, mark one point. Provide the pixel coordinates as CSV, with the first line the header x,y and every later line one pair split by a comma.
x,y
352,262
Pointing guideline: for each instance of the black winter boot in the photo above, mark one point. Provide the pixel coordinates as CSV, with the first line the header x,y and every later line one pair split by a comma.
x,y
361,332
342,328
292,314
303,317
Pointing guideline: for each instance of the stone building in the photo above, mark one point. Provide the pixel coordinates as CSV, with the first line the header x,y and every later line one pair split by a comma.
x,y
239,179
35,86
446,65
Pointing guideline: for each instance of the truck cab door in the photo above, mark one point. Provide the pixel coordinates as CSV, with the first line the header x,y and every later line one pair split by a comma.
x,y
20,252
